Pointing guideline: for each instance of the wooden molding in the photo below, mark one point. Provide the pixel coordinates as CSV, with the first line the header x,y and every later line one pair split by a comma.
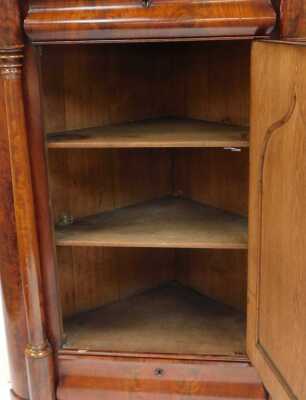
x,y
276,223
11,61
38,351
268,139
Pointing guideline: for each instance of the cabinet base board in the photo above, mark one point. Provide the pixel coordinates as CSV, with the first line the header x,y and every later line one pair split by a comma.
x,y
87,377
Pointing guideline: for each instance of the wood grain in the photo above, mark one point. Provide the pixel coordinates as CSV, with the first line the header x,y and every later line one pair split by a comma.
x,y
123,272
170,222
11,284
85,182
50,21
39,369
130,72
135,379
218,274
11,43
209,90
87,87
166,132
276,328
91,277
169,319
37,155
293,19
215,177
206,90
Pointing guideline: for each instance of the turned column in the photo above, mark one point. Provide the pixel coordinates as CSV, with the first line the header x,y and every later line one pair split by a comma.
x,y
13,305
37,353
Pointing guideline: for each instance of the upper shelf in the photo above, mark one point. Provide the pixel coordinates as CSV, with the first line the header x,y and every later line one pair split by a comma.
x,y
128,20
162,132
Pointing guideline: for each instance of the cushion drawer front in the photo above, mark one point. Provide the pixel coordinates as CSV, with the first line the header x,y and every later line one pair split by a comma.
x,y
84,20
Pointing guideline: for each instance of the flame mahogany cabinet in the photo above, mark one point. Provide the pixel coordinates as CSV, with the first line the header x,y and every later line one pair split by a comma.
x,y
153,198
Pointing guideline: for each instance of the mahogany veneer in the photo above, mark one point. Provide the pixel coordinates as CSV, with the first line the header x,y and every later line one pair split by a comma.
x,y
148,377
81,20
73,143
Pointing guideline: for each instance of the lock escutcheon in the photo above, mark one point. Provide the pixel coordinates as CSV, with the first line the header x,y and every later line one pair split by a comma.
x,y
147,3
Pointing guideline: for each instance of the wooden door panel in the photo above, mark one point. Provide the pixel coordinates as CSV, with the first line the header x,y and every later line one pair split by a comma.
x,y
277,259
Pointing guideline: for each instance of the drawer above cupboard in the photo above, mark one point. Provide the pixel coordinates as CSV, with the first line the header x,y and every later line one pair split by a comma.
x,y
127,20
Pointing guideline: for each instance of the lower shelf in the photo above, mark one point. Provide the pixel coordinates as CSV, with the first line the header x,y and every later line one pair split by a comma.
x,y
171,319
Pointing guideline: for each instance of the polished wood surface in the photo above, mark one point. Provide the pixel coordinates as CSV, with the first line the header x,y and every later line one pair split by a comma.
x,y
164,132
11,34
277,277
169,222
168,319
148,378
11,285
26,234
54,21
37,150
84,87
293,19
37,352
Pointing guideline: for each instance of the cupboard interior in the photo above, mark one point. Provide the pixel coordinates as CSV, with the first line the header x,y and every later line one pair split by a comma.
x,y
150,218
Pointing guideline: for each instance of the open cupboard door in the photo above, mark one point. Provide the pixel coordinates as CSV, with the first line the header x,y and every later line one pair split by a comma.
x,y
277,231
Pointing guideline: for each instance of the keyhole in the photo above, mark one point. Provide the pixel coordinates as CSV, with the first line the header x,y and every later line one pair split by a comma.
x,y
159,372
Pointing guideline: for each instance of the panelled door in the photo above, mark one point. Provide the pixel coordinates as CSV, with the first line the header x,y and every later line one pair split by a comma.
x,y
277,226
